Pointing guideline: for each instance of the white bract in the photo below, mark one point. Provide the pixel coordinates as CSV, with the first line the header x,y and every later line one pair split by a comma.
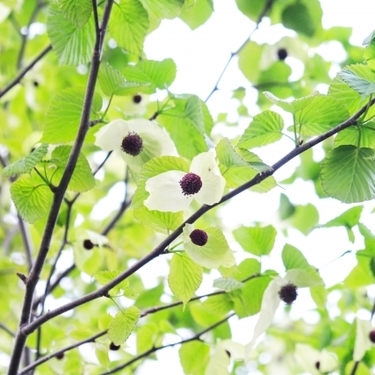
x,y
271,299
155,141
313,361
362,339
167,195
214,253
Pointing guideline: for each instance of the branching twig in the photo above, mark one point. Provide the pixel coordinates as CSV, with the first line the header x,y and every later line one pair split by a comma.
x,y
29,328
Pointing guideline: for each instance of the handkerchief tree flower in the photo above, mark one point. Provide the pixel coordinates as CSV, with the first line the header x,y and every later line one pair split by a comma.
x,y
138,141
173,191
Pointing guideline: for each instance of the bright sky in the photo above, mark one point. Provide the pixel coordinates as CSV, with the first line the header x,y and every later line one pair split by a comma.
x,y
200,57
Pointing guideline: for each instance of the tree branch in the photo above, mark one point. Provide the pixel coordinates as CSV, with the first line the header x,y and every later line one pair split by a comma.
x,y
29,328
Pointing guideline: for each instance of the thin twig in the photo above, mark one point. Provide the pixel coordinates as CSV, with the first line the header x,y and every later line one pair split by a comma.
x,y
29,328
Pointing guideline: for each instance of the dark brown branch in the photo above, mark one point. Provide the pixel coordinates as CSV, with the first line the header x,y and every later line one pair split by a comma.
x,y
29,328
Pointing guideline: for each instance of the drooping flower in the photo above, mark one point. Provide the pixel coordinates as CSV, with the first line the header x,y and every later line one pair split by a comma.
x,y
313,361
279,289
173,191
138,141
208,247
364,338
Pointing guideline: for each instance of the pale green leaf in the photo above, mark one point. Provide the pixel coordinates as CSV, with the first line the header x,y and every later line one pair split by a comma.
x,y
349,218
305,218
219,305
112,82
32,197
196,14
218,362
123,324
64,114
152,168
185,277
73,45
25,165
185,121
296,16
128,25
163,222
304,278
82,179
105,276
227,156
77,12
249,60
348,174
227,284
155,74
264,129
247,268
360,78
361,275
293,258
292,106
189,353
256,240
160,9
362,136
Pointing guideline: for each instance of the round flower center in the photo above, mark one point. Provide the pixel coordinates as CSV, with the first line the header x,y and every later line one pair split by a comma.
x,y
371,336
317,365
190,184
282,54
198,237
132,144
288,293
88,245
137,98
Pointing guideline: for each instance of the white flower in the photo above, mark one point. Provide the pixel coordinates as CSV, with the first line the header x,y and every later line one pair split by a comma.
x,y
208,247
173,191
139,140
279,289
362,339
313,361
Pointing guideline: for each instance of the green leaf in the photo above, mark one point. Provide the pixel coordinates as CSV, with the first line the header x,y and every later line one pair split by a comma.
x,y
105,276
286,208
256,240
305,218
128,25
264,129
32,197
247,268
249,61
251,9
348,174
73,45
25,165
112,82
319,295
227,284
219,305
82,179
293,258
360,78
297,17
185,121
163,222
64,114
361,275
152,168
155,74
320,115
159,9
189,353
292,106
369,54
77,12
185,277
123,324
362,136
196,14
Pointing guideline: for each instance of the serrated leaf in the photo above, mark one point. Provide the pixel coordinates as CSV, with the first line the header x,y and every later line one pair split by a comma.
x,y
185,277
256,240
105,276
292,106
77,12
293,258
160,9
123,324
128,25
361,136
264,129
185,121
348,174
227,284
360,78
154,74
218,305
152,168
163,222
32,197
112,82
64,114
82,179
25,165
73,46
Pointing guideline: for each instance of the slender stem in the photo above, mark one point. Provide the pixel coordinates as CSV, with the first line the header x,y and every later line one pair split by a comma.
x,y
29,328
355,367
58,196
22,73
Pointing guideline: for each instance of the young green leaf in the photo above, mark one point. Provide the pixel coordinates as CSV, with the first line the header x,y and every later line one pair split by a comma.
x,y
297,17
123,324
348,174
25,165
77,12
360,78
185,277
128,25
293,258
196,13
